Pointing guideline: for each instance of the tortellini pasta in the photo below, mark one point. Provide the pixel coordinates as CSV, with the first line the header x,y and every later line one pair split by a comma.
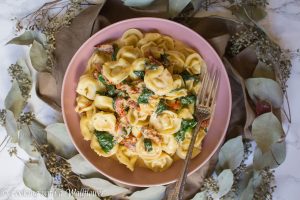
x,y
159,164
88,86
167,122
136,100
160,81
126,157
104,103
117,71
103,121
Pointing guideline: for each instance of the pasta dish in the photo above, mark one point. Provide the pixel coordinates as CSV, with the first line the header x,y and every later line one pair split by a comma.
x,y
137,97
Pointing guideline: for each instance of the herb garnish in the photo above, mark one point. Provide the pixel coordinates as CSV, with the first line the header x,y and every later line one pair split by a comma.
x,y
187,100
115,52
164,59
187,76
151,65
161,106
144,97
106,140
186,124
148,144
111,89
139,74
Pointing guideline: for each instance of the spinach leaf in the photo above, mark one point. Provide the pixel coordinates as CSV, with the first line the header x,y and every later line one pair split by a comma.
x,y
139,74
111,89
115,52
164,59
161,106
150,65
144,97
186,124
148,144
106,140
187,100
187,76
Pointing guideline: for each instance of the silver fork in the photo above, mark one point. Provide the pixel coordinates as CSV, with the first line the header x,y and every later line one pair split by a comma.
x,y
205,103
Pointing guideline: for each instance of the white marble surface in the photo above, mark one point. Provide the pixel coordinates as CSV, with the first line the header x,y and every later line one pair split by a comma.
x,y
282,22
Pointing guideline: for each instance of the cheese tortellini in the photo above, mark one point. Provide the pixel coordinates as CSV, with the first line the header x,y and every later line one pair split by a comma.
x,y
136,100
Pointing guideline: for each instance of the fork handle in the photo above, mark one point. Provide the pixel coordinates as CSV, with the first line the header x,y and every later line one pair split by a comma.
x,y
177,192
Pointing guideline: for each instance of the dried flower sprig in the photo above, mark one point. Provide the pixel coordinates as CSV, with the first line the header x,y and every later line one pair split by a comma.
x,y
2,117
23,80
267,187
49,19
26,118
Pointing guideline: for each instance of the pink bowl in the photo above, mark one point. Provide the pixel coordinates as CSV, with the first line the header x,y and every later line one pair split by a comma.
x,y
141,176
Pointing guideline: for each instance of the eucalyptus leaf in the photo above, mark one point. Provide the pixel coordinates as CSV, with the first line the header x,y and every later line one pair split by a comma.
x,y
248,193
248,13
137,3
11,126
151,193
200,196
231,154
58,137
26,141
266,130
225,181
25,39
14,100
176,6
38,57
59,194
272,158
245,177
22,63
263,71
265,89
37,177
38,132
103,187
81,166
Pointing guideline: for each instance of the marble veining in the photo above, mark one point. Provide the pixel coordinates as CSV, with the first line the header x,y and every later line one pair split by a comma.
x,y
283,25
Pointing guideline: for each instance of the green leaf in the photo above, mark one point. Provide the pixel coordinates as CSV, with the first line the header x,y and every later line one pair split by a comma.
x,y
272,158
253,184
225,181
137,3
151,193
148,144
266,130
28,37
187,76
38,132
265,89
58,137
106,188
115,52
186,124
139,74
106,140
176,6
14,100
11,126
37,177
263,71
144,97
81,166
255,13
161,106
231,154
26,142
200,196
38,57
188,100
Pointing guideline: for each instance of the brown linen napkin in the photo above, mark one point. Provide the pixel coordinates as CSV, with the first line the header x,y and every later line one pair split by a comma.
x,y
216,30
